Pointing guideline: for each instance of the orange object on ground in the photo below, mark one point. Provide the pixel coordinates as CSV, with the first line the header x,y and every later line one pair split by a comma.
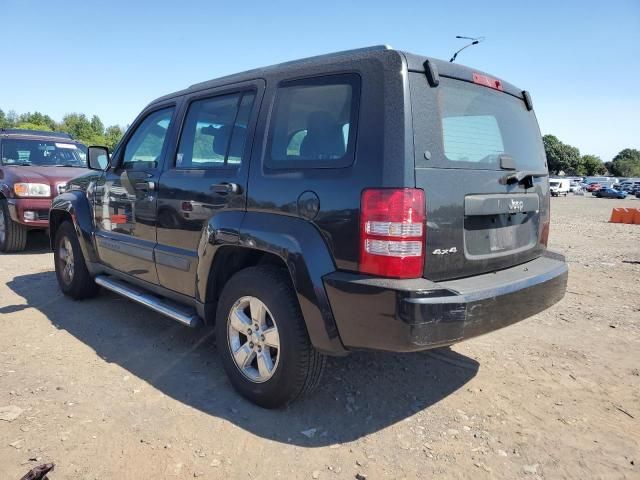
x,y
616,215
627,215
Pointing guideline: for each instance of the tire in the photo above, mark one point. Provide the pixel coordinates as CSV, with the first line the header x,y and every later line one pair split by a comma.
x,y
13,235
297,366
75,281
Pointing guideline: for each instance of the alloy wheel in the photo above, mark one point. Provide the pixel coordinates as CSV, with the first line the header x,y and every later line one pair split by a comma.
x,y
65,260
253,339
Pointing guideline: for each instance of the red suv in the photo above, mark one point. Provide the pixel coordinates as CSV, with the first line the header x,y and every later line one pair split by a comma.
x,y
34,167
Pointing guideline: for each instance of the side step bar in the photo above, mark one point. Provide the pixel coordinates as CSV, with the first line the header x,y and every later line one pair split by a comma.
x,y
156,304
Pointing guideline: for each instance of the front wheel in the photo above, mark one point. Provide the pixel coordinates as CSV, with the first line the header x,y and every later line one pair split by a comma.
x,y
263,340
13,235
73,276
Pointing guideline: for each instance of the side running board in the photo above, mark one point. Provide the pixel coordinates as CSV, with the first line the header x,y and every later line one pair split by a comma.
x,y
157,304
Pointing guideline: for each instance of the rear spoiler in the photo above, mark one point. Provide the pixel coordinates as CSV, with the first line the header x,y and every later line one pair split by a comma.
x,y
434,69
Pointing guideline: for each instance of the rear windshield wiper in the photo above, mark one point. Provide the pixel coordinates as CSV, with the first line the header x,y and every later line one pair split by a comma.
x,y
524,177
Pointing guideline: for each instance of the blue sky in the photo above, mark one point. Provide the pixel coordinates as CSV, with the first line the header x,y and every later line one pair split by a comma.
x,y
579,59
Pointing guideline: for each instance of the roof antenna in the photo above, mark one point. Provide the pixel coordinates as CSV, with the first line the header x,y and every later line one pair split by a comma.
x,y
474,41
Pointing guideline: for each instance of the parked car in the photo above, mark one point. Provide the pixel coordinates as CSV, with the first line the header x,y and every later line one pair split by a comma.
x,y
609,193
593,187
630,187
575,187
559,186
34,167
318,177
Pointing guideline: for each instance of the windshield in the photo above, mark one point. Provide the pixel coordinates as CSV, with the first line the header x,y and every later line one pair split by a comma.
x,y
45,153
480,124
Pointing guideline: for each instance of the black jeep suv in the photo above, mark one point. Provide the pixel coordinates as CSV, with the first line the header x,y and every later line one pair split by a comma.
x,y
369,199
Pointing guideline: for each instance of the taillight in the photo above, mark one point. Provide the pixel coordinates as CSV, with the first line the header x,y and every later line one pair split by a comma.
x,y
392,232
544,233
544,236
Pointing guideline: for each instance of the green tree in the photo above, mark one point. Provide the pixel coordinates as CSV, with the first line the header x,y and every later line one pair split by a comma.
x,y
626,163
11,119
97,125
79,126
43,122
112,136
591,165
560,156
33,126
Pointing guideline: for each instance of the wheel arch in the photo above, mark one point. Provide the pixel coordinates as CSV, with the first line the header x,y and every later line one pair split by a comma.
x,y
74,207
291,243
5,191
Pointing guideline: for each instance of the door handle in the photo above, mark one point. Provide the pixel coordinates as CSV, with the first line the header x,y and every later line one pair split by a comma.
x,y
225,188
147,185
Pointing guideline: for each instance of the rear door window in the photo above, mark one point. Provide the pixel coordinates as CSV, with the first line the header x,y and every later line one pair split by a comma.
x,y
314,123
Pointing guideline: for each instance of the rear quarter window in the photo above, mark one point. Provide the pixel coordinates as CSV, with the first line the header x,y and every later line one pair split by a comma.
x,y
314,123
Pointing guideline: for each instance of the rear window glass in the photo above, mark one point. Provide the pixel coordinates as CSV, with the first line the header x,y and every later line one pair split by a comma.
x,y
480,124
313,123
471,138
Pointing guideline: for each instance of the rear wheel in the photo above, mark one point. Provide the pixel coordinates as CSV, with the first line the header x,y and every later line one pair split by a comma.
x,y
13,236
71,270
263,340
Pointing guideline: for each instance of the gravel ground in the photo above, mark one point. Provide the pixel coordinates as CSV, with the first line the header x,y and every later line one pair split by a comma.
x,y
108,390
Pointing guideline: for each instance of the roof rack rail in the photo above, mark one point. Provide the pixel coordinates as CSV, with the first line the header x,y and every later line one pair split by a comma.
x,y
40,133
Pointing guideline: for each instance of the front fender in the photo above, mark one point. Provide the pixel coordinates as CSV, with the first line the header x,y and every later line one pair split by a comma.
x,y
301,246
5,190
74,204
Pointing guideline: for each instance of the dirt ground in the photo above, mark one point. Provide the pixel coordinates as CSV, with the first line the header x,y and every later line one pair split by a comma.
x,y
106,389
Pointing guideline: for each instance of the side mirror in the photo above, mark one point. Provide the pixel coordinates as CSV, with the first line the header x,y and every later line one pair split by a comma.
x,y
98,158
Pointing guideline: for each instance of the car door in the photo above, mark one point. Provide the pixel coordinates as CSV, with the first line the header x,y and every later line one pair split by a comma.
x,y
206,175
125,207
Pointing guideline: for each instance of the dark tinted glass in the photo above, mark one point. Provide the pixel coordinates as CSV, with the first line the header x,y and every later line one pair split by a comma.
x,y
214,132
314,123
480,124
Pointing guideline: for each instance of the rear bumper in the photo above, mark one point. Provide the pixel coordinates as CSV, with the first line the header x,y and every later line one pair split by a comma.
x,y
408,315
40,207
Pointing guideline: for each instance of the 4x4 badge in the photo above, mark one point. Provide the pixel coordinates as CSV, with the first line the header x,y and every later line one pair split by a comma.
x,y
444,251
